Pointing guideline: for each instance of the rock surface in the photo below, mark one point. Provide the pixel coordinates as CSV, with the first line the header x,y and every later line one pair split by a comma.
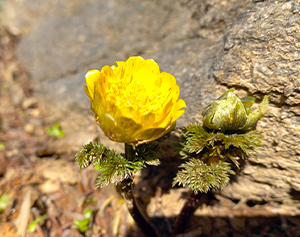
x,y
260,54
207,45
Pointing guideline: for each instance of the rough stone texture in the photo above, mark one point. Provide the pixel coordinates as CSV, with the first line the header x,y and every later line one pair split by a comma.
x,y
274,176
261,55
96,31
252,46
261,52
19,16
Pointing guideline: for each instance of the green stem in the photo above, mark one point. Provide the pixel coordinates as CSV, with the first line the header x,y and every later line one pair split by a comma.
x,y
129,152
132,205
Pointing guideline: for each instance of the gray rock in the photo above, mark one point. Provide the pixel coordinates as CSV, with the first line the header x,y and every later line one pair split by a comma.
x,y
65,93
261,52
58,46
20,16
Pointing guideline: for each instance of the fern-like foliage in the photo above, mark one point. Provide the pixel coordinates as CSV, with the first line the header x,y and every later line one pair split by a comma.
x,y
210,155
93,154
149,153
194,138
197,140
114,167
200,177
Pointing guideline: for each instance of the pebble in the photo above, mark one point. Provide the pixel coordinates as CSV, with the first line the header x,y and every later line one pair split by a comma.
x,y
29,128
49,186
30,102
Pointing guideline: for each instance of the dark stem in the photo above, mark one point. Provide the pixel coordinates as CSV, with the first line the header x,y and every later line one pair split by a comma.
x,y
132,205
190,206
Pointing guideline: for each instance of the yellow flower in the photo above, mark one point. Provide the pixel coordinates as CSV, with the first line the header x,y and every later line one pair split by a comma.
x,y
134,102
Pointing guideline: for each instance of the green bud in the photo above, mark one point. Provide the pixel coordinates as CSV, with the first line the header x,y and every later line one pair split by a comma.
x,y
229,112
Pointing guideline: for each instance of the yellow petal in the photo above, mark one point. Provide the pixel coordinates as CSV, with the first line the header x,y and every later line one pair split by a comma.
x,y
164,117
153,133
91,77
177,114
168,80
148,120
179,105
86,90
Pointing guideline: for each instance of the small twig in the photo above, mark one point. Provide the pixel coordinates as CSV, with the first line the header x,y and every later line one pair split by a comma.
x,y
67,225
133,208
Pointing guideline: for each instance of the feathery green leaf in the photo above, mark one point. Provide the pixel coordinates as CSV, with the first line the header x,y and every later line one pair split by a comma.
x,y
200,177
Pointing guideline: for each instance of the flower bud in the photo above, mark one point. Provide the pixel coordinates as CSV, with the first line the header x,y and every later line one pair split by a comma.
x,y
229,112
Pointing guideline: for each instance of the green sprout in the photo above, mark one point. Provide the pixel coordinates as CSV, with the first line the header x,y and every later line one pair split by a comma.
x,y
4,201
33,225
55,131
83,225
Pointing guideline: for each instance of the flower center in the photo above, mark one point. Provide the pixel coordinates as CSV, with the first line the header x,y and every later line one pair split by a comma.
x,y
134,93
